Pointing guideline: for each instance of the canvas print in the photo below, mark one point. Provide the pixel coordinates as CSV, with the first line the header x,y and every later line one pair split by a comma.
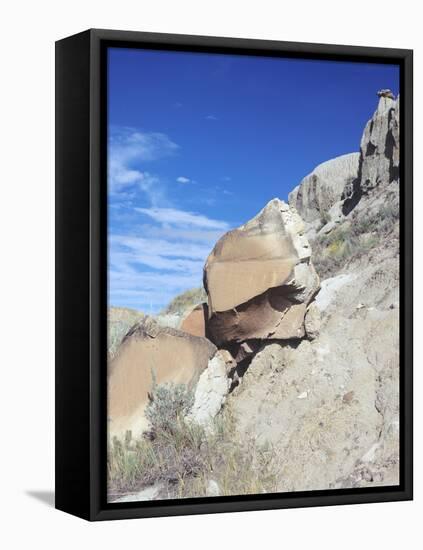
x,y
253,275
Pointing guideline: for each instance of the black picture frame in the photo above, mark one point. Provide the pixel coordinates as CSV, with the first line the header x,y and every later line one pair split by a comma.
x,y
81,274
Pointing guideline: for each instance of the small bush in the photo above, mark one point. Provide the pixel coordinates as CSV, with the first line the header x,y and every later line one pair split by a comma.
x,y
168,404
183,457
350,241
189,298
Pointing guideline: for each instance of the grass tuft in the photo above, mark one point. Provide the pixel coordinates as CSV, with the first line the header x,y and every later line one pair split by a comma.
x,y
182,457
352,240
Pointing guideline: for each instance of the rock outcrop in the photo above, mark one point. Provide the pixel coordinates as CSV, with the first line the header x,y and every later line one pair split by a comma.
x,y
334,188
330,407
318,197
379,149
149,350
379,153
259,278
211,391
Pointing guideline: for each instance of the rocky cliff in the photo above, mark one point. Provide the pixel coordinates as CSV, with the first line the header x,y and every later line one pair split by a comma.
x,y
318,197
335,188
379,154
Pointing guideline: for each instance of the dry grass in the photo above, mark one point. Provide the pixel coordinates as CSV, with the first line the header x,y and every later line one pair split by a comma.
x,y
352,240
120,320
183,457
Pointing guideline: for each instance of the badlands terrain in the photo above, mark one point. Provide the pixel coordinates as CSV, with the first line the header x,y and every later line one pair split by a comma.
x,y
285,365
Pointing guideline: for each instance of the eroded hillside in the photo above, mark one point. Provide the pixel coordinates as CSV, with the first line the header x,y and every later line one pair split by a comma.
x,y
301,331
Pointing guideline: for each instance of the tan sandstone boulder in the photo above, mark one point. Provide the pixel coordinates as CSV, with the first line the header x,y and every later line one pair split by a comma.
x,y
172,355
260,279
195,322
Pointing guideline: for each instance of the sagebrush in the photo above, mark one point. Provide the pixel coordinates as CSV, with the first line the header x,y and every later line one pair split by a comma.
x,y
352,239
181,457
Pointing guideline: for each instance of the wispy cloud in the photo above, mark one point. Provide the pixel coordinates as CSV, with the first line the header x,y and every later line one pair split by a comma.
x,y
183,179
156,250
149,291
129,150
172,216
211,117
161,258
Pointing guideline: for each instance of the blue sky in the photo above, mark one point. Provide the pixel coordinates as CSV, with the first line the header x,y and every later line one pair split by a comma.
x,y
199,143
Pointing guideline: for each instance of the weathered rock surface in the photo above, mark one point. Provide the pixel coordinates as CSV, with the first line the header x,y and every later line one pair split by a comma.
x,y
172,355
312,321
211,391
195,321
318,197
260,279
330,407
379,146
379,153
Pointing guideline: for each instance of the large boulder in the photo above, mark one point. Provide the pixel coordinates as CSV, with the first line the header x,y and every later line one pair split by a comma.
x,y
147,351
317,196
259,278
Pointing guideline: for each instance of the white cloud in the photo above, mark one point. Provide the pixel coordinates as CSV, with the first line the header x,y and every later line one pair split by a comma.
x,y
172,233
129,143
128,148
211,117
148,291
155,252
172,216
160,259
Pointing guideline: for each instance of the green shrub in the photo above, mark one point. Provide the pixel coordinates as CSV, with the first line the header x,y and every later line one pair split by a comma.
x,y
168,404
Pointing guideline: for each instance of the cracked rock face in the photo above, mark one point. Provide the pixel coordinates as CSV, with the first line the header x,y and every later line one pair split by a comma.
x,y
260,279
211,391
172,355
380,146
379,152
